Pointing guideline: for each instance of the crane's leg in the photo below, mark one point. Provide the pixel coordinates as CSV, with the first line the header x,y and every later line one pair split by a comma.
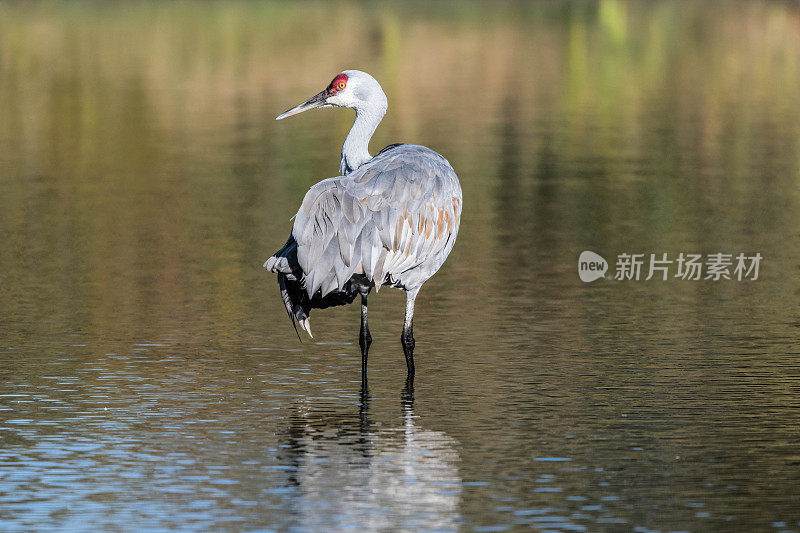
x,y
407,338
364,338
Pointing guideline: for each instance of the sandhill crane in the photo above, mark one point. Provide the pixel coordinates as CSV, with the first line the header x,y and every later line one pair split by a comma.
x,y
391,219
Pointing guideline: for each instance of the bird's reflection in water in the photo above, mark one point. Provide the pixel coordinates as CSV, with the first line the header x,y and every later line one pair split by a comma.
x,y
346,472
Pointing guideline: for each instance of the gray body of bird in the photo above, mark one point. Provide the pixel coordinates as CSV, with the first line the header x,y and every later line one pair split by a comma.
x,y
391,219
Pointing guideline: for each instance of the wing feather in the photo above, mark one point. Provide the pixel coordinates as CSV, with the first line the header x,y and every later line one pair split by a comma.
x,y
398,211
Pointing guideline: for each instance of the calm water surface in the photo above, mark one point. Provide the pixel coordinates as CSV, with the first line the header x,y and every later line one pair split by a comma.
x,y
149,378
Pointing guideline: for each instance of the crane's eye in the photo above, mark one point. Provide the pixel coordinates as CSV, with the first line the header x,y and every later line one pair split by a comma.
x,y
338,83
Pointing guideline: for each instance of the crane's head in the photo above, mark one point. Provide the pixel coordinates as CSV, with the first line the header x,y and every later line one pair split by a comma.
x,y
351,88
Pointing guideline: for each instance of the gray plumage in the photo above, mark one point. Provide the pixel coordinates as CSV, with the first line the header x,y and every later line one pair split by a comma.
x,y
394,219
391,219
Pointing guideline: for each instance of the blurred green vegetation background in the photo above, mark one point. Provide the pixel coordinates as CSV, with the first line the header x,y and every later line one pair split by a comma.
x,y
143,180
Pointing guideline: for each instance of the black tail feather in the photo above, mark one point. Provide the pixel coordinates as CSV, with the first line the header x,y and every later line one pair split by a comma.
x,y
291,283
287,302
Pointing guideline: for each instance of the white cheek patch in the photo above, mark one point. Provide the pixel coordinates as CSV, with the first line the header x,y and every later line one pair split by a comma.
x,y
336,100
344,98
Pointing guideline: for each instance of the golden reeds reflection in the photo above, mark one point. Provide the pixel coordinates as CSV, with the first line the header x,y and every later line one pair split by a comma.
x,y
142,137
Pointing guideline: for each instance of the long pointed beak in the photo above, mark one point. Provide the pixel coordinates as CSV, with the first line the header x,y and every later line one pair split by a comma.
x,y
318,100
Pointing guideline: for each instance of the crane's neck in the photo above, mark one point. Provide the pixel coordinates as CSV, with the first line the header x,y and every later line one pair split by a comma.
x,y
355,151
